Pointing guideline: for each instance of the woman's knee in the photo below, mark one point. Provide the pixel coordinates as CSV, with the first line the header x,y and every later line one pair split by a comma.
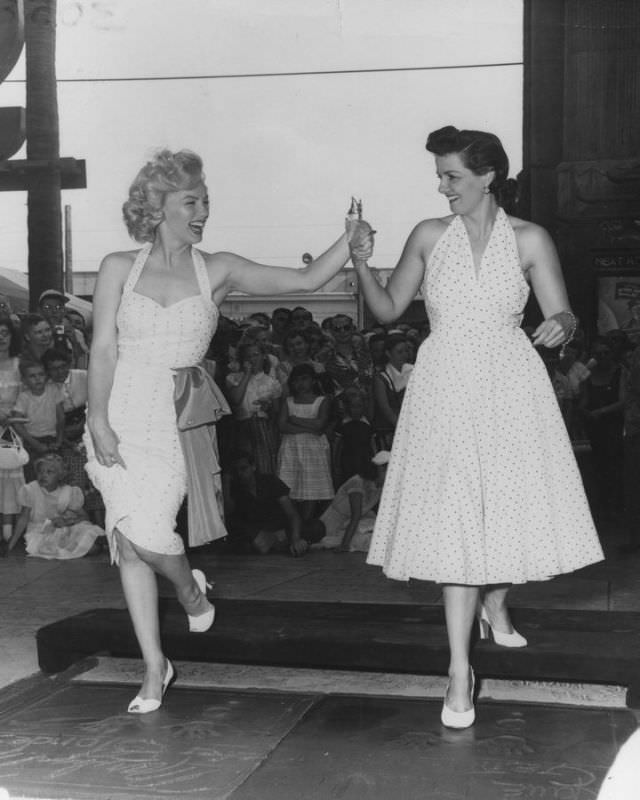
x,y
126,551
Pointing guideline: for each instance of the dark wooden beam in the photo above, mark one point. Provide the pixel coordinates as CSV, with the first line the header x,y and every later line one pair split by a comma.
x,y
24,174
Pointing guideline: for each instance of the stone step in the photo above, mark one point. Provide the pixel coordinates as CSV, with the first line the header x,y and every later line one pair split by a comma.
x,y
581,646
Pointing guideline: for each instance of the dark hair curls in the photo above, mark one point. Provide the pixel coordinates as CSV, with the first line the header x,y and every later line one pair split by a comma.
x,y
481,152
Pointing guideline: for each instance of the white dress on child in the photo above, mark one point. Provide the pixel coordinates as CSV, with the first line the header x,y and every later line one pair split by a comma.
x,y
142,499
42,537
482,486
337,516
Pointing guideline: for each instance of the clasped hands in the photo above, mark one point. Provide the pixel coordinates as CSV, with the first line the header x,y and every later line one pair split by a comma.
x,y
360,236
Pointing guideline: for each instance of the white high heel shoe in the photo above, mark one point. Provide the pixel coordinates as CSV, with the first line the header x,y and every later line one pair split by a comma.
x,y
141,705
459,719
513,639
201,622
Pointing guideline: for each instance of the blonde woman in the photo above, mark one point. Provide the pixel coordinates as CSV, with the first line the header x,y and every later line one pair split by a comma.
x,y
155,311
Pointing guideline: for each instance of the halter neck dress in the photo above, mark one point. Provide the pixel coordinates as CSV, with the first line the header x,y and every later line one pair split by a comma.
x,y
482,486
142,501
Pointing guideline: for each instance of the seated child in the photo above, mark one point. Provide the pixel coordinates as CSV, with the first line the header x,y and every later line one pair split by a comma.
x,y
40,404
259,514
52,518
347,524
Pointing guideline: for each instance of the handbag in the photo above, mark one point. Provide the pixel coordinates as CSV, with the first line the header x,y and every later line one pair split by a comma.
x,y
12,452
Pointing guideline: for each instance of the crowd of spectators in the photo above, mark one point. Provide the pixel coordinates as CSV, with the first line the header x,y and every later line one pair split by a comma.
x,y
598,390
314,408
43,398
312,405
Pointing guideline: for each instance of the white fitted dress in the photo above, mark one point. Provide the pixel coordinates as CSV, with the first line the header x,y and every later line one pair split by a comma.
x,y
142,501
482,486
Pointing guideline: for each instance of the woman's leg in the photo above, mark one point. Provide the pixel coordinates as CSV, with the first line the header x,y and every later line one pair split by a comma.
x,y
141,593
460,604
137,573
177,570
495,603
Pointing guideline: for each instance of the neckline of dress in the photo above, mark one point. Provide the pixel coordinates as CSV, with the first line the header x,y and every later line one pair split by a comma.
x,y
136,271
477,271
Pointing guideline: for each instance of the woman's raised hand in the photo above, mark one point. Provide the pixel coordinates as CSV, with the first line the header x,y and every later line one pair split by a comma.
x,y
360,236
359,233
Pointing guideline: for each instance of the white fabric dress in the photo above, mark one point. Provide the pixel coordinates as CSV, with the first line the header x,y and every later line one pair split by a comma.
x,y
42,537
482,486
142,501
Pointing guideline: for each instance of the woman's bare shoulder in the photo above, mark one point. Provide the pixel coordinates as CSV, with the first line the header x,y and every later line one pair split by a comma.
x,y
121,260
527,230
435,226
426,233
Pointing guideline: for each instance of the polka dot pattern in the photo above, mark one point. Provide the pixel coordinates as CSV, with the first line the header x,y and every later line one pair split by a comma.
x,y
142,500
482,486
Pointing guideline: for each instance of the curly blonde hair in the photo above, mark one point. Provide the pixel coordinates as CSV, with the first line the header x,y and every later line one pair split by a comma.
x,y
165,172
51,458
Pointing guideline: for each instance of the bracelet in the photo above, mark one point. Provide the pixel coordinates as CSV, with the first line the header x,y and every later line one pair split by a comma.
x,y
573,327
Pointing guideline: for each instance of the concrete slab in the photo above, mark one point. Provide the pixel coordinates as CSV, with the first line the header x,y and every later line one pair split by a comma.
x,y
376,749
77,741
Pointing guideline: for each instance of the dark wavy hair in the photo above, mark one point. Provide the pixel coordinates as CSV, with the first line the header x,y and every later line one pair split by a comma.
x,y
303,369
300,333
481,152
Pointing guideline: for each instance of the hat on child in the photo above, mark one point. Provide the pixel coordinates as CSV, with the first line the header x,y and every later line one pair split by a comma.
x,y
53,293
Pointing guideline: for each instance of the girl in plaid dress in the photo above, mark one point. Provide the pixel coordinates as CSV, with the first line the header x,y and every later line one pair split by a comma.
x,y
304,462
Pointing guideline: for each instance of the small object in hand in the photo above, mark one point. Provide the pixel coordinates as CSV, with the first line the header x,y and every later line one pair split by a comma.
x,y
355,210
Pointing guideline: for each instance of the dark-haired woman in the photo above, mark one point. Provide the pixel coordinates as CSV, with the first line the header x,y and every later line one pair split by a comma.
x,y
482,489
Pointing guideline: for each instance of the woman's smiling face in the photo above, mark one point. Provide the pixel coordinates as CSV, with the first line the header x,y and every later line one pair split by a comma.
x,y
463,188
186,213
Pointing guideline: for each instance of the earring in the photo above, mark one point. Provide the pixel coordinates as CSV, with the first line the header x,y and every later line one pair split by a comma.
x,y
487,190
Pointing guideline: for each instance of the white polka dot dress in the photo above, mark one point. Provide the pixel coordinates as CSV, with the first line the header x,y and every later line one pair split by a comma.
x,y
482,486
142,501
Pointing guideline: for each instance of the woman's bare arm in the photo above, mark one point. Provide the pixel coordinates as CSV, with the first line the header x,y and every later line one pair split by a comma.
x,y
387,303
231,272
102,363
541,264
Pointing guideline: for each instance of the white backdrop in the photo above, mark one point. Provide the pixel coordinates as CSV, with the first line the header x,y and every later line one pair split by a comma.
x,y
293,104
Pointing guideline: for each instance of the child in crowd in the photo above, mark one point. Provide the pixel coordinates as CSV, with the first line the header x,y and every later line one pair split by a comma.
x,y
304,461
253,394
53,519
259,514
353,443
40,405
11,479
347,524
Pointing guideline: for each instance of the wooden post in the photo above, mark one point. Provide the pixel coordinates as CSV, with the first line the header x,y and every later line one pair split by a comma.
x,y
68,251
